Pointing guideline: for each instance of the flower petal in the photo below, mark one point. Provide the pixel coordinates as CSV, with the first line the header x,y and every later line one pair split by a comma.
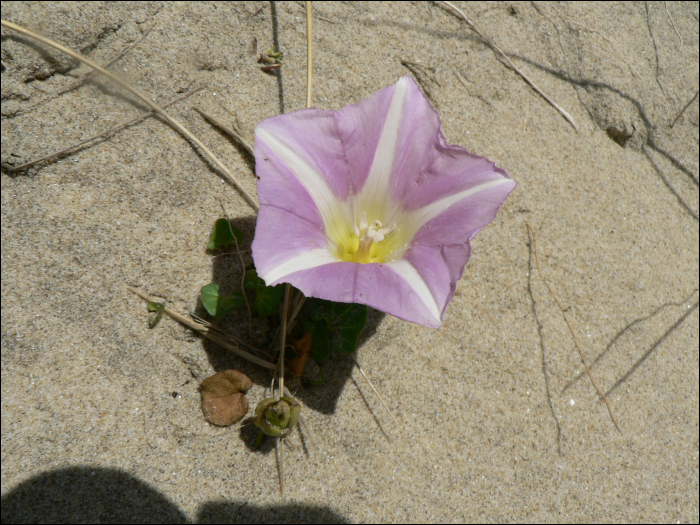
x,y
374,197
303,244
300,159
440,267
394,288
279,186
383,161
457,218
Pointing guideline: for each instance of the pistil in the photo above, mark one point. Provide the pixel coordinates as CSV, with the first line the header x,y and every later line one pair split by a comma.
x,y
369,235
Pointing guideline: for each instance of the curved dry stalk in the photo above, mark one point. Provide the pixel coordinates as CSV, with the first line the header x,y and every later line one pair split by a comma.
x,y
493,46
206,332
309,53
179,127
76,84
104,134
237,136
374,389
240,256
571,328
288,288
684,108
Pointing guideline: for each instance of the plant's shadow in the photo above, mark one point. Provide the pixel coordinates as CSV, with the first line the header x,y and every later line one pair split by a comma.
x,y
227,272
100,495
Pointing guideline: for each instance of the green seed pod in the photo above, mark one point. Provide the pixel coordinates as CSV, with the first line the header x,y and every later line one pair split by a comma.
x,y
273,417
267,428
263,405
278,414
295,412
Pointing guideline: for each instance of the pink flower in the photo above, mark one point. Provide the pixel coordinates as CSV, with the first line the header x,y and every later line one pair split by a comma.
x,y
370,205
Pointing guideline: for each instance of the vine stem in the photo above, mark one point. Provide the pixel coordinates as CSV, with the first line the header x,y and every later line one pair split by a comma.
x,y
143,98
571,328
288,288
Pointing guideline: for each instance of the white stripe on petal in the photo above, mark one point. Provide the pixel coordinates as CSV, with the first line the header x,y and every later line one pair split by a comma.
x,y
421,216
303,261
408,273
314,182
375,193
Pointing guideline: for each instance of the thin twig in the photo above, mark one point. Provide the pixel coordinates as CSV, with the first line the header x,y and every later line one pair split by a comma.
x,y
206,332
527,112
224,333
283,344
683,110
87,75
182,129
461,80
493,46
297,308
309,53
280,465
26,165
240,256
238,137
375,390
302,419
571,328
601,35
673,24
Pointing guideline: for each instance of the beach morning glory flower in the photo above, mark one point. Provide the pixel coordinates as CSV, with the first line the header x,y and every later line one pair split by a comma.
x,y
370,205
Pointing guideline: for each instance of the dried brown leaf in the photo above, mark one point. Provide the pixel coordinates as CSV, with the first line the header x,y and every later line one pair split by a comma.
x,y
298,364
223,397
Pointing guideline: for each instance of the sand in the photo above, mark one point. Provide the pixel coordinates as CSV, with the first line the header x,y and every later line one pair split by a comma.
x,y
101,417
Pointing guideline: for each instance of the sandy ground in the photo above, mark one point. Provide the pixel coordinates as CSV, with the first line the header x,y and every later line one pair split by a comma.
x,y
101,416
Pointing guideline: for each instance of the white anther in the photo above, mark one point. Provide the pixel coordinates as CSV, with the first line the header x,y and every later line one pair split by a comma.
x,y
363,222
388,229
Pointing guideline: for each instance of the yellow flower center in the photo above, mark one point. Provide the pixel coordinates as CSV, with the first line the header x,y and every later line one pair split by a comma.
x,y
364,244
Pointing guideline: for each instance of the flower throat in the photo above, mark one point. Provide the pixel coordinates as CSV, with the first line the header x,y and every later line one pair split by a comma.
x,y
363,247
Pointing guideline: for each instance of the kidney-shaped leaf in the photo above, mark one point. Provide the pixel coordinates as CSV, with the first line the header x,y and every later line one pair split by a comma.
x,y
223,397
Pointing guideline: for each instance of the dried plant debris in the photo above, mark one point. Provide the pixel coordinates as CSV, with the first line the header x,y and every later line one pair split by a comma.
x,y
223,397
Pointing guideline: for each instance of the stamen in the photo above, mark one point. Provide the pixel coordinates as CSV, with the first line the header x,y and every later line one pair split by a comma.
x,y
369,235
363,222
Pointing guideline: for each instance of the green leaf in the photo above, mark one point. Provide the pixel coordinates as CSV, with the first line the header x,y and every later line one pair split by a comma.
x,y
320,341
159,308
219,305
267,298
344,321
223,235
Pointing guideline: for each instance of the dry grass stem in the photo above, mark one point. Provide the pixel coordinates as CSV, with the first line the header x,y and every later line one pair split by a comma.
x,y
601,35
208,331
302,419
357,364
104,134
76,84
237,134
283,344
182,129
674,25
459,77
571,328
493,46
684,108
240,256
280,465
309,53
